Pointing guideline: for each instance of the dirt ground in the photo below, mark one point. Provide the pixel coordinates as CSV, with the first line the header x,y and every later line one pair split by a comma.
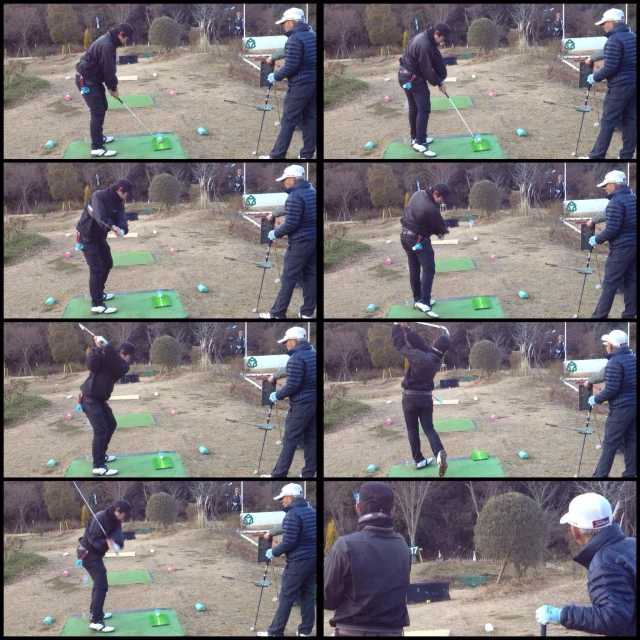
x,y
201,239
521,245
202,401
201,82
522,407
200,559
520,84
509,607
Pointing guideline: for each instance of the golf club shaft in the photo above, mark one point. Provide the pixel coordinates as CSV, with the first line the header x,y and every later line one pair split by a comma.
x,y
136,117
559,104
438,326
584,282
261,125
97,219
264,577
246,261
96,519
461,118
251,424
584,441
582,120
85,329
263,273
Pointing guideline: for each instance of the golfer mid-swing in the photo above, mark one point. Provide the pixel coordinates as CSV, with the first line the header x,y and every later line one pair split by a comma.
x,y
103,213
417,398
93,544
106,366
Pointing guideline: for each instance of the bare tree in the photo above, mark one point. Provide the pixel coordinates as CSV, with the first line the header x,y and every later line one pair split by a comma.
x,y
123,331
346,187
409,499
341,24
20,498
526,336
210,337
483,491
525,175
23,179
205,174
542,491
341,508
472,12
442,171
344,346
149,487
22,20
440,12
114,171
153,11
523,16
26,340
205,16
120,13
116,490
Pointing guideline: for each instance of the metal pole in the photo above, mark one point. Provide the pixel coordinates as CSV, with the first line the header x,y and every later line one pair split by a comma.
x,y
244,21
241,501
563,21
246,342
566,189
565,346
244,182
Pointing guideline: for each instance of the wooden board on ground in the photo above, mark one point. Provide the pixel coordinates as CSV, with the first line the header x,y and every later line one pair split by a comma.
x,y
129,235
445,241
435,632
127,77
130,398
122,554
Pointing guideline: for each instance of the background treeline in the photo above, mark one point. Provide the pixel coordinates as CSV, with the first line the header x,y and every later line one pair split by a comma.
x,y
38,506
40,348
355,30
37,29
360,190
39,187
446,512
360,350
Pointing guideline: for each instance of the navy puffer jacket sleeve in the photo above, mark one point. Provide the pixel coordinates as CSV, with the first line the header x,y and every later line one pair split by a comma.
x,y
620,213
300,211
299,56
619,57
301,375
619,378
298,532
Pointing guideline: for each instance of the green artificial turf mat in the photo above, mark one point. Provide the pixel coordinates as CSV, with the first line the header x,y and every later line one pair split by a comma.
x,y
458,468
116,578
135,101
441,103
130,305
131,465
124,420
449,308
456,147
447,265
134,623
452,424
129,147
129,258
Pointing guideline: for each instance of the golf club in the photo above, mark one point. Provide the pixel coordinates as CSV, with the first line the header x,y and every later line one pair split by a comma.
x,y
264,110
266,427
97,219
559,104
266,261
260,107
264,438
116,548
264,578
263,265
586,272
477,142
583,441
561,426
161,143
438,326
102,341
259,583
586,99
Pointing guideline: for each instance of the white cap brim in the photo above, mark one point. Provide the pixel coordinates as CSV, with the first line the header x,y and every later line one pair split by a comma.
x,y
602,184
566,519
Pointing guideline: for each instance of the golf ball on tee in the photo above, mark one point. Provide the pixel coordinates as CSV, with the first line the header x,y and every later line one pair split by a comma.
x,y
170,569
157,611
573,153
277,280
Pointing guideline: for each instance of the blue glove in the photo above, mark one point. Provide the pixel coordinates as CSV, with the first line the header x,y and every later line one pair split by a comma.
x,y
591,79
269,554
546,614
272,397
592,401
272,235
271,78
592,241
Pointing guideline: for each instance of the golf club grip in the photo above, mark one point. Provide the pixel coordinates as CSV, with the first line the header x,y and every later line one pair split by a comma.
x,y
543,629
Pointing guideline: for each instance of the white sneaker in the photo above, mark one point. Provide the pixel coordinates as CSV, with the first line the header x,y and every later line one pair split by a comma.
x,y
429,140
268,475
584,158
268,316
104,471
108,296
101,626
264,158
263,633
424,150
103,309
425,308
106,616
102,153
109,458
107,139
302,635
304,317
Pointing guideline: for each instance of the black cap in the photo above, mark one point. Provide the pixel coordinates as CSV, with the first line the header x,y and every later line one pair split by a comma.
x,y
124,506
126,28
375,496
443,343
129,349
126,185
443,190
444,30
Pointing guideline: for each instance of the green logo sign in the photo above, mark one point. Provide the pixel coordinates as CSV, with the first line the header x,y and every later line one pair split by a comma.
x,y
252,363
247,519
572,367
250,43
572,207
569,45
251,201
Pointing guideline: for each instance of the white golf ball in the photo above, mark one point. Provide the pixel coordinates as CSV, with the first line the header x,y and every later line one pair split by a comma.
x,y
598,446
598,286
155,393
155,231
596,124
155,75
277,280
575,315
275,599
276,123
254,310
473,75
278,441
253,153
255,472
153,550
475,237
475,397
573,153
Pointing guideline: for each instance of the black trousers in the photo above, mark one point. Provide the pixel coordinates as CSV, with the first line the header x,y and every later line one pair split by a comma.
x,y
424,259
298,580
96,100
300,424
94,566
419,98
299,102
619,271
620,102
97,254
619,429
299,263
103,423
420,408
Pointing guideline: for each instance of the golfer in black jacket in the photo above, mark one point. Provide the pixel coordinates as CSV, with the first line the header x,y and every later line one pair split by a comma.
x,y
420,220
91,549
610,559
103,213
106,366
417,394
367,573
97,68
422,63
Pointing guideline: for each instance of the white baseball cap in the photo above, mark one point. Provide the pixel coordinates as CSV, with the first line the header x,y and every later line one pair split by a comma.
x,y
612,14
616,338
292,171
294,333
615,177
289,490
298,14
589,511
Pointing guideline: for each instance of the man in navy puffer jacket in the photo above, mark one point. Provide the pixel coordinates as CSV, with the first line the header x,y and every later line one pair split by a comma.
x,y
610,559
620,392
